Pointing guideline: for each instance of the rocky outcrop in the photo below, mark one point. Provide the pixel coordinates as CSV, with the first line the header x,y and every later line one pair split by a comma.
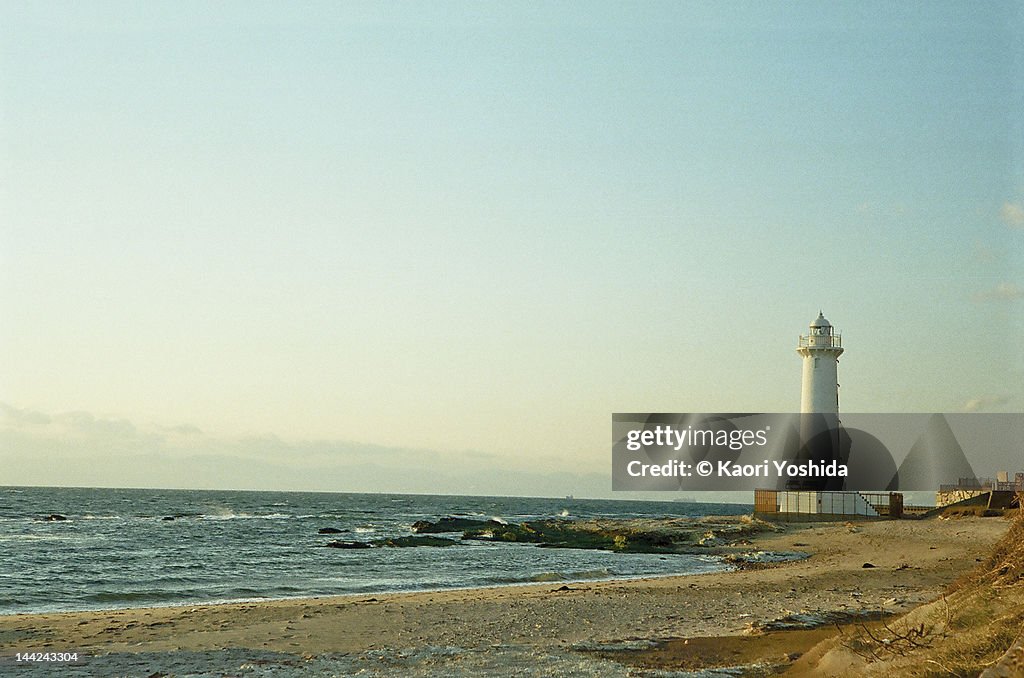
x,y
454,524
576,535
626,536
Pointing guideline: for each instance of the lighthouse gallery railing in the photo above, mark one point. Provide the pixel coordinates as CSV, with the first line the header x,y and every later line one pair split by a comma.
x,y
822,341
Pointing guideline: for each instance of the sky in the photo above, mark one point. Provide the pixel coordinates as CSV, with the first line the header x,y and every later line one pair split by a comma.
x,y
432,247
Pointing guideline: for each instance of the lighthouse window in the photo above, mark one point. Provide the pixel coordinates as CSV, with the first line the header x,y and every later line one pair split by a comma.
x,y
815,362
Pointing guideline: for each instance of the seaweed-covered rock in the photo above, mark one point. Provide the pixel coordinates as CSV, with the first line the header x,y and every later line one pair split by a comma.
x,y
453,524
330,530
576,535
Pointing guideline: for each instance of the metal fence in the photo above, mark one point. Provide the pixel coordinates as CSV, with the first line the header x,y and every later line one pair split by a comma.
x,y
985,485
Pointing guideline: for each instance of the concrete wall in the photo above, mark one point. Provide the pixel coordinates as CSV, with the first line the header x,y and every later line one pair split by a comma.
x,y
945,498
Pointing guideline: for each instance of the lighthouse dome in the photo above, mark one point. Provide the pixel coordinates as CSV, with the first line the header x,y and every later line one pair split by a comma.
x,y
820,321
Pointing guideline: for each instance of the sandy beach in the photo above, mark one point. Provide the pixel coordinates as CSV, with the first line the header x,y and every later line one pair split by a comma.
x,y
636,627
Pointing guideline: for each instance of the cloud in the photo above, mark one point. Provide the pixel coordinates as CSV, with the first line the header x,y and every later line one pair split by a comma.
x,y
985,403
81,449
12,416
1004,291
182,430
1012,214
86,424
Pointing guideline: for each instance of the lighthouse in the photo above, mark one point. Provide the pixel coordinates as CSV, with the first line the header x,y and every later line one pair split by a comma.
x,y
820,349
821,438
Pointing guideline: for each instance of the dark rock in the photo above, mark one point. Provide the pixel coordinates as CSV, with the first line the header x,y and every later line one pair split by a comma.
x,y
867,565
167,518
567,534
414,541
55,517
454,524
330,530
392,542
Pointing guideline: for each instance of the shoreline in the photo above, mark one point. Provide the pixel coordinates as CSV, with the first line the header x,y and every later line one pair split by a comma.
x,y
652,538
333,596
558,624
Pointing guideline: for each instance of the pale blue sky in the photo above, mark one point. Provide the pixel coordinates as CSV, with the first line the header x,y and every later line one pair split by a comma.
x,y
481,228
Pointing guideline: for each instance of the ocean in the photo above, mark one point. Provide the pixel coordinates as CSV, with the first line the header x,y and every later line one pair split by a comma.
x,y
141,547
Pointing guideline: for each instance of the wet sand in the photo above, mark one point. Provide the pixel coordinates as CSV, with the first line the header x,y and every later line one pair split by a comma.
x,y
591,628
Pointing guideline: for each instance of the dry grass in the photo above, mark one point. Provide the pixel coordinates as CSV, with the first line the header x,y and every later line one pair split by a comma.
x,y
975,511
970,628
982,628
1004,566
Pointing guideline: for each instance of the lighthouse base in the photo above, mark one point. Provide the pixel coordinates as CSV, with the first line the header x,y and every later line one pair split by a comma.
x,y
820,506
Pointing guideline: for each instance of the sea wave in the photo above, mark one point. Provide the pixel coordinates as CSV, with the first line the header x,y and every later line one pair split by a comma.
x,y
226,515
157,595
600,573
37,537
117,551
246,516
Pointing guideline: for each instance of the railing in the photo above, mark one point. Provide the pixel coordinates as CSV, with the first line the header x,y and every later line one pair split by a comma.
x,y
878,500
820,341
982,485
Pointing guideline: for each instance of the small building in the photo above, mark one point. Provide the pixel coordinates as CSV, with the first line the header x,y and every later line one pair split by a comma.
x,y
808,505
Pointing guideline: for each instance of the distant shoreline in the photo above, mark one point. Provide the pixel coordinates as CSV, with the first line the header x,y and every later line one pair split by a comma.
x,y
646,499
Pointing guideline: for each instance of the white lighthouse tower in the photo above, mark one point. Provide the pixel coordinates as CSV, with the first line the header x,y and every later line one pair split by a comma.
x,y
820,348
